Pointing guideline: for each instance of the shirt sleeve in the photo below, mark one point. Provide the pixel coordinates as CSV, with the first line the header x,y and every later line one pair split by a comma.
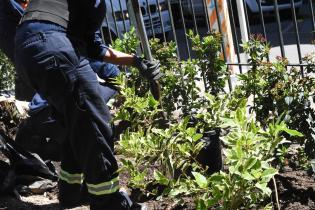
x,y
95,13
95,46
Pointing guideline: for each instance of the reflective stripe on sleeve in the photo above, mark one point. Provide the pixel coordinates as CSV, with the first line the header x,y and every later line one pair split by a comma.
x,y
104,188
71,178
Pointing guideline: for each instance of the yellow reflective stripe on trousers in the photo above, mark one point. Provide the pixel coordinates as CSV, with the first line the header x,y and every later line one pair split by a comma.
x,y
104,188
71,178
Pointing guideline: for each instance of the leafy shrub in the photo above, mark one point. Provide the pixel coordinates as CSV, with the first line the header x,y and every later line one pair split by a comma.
x,y
179,85
210,61
139,112
249,153
162,161
129,43
182,83
277,89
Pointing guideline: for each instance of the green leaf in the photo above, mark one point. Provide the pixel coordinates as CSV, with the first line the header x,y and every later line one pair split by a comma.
x,y
293,132
268,207
263,187
177,191
200,179
197,136
247,176
201,205
216,177
240,116
227,122
191,131
269,173
256,173
160,178
153,102
250,163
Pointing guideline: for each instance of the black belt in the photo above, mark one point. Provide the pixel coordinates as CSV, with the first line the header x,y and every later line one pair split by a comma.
x,y
55,11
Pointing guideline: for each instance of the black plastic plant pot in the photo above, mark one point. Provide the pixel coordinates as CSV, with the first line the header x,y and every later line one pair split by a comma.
x,y
211,154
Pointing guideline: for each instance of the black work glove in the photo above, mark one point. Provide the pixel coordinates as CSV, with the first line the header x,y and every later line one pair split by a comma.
x,y
148,69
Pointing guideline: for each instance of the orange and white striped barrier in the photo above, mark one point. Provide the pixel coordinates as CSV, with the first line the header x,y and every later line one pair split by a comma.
x,y
224,22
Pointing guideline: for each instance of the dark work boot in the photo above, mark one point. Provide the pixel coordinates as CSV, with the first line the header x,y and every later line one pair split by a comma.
x,y
115,201
71,196
133,206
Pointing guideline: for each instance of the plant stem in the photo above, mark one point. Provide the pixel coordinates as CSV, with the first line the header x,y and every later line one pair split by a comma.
x,y
276,192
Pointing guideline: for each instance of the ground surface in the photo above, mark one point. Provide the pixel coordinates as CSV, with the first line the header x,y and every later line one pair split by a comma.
x,y
296,189
296,192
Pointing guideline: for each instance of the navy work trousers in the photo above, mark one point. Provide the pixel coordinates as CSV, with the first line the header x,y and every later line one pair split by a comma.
x,y
57,71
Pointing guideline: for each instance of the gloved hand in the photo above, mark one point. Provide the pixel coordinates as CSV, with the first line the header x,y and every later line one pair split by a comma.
x,y
148,69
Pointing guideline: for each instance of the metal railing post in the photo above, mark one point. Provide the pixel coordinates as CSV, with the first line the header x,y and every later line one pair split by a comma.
x,y
276,7
161,20
150,17
114,16
184,27
242,21
173,27
234,35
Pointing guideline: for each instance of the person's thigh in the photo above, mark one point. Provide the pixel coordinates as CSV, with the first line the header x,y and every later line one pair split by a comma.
x,y
49,64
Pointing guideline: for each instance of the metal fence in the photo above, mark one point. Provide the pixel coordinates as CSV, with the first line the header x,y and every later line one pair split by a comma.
x,y
287,24
164,19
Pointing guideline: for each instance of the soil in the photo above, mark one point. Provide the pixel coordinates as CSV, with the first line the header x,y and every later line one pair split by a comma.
x,y
296,189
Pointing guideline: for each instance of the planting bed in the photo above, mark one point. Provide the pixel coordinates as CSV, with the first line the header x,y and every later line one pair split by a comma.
x,y
266,129
296,189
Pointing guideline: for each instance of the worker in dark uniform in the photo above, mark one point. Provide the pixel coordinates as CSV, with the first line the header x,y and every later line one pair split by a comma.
x,y
53,41
41,132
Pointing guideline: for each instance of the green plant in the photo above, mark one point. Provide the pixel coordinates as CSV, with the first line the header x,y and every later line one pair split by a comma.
x,y
166,53
281,154
209,59
165,155
171,82
303,160
179,87
129,43
250,150
162,161
277,90
190,98
168,156
7,73
140,112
